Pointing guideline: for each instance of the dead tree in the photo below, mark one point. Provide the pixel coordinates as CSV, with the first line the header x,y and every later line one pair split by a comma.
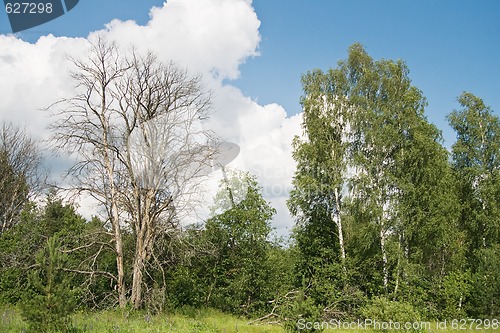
x,y
133,127
21,173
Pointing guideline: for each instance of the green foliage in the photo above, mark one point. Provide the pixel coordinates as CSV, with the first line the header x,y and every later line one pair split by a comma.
x,y
240,271
320,170
231,263
55,219
477,166
301,310
485,292
185,289
454,293
420,289
387,226
17,246
381,309
371,162
48,308
401,199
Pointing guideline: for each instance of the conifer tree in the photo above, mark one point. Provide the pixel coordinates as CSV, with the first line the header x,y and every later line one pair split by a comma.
x,y
50,306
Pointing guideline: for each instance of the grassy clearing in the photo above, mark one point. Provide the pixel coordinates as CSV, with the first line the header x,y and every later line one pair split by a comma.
x,y
186,321
203,321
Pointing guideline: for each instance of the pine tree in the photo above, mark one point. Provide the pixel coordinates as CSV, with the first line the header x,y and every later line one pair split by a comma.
x,y
52,302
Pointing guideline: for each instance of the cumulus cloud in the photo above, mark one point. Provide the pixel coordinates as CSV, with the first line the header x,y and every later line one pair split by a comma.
x,y
32,77
211,38
265,135
207,36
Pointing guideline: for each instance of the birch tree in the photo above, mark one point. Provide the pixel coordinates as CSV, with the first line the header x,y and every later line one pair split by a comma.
x,y
402,183
316,200
476,161
476,164
133,129
367,149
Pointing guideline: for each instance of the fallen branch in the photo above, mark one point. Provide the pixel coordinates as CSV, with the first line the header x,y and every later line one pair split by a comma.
x,y
278,302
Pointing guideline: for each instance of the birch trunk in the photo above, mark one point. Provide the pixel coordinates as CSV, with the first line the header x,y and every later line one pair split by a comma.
x,y
384,254
338,221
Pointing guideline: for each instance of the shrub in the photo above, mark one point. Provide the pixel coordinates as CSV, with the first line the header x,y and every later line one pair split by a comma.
x,y
300,311
454,293
383,310
485,293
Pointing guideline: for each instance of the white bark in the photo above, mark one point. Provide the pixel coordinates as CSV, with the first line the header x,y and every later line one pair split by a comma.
x,y
338,220
385,270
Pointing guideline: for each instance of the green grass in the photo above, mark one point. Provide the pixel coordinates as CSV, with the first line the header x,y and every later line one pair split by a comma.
x,y
184,321
203,321
190,321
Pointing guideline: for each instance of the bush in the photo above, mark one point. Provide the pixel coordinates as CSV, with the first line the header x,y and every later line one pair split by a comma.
x,y
382,310
300,311
485,294
454,293
184,289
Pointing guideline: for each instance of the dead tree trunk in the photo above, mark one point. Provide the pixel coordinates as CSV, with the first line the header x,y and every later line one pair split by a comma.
x,y
144,229
121,287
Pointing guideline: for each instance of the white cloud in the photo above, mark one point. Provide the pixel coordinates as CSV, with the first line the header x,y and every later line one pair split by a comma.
x,y
210,37
33,77
265,135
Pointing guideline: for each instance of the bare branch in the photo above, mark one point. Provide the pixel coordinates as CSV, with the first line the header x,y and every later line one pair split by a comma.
x,y
92,273
133,126
21,173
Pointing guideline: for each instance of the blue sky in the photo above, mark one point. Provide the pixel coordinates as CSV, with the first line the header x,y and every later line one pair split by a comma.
x,y
449,46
